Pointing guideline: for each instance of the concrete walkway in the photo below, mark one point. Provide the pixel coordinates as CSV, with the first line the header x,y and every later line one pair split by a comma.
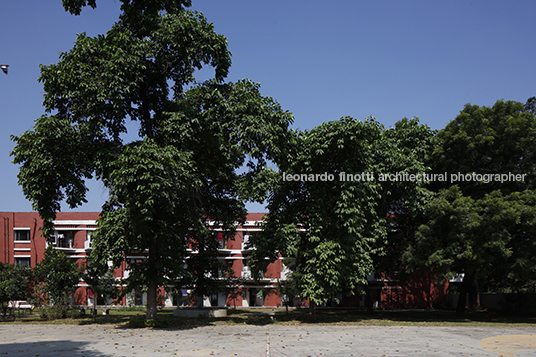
x,y
270,340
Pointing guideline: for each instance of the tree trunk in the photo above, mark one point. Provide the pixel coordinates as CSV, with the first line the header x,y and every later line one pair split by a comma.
x,y
368,299
462,300
152,288
200,301
460,308
312,309
151,301
474,300
468,287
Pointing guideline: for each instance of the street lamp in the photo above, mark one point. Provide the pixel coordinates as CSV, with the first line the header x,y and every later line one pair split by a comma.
x,y
4,67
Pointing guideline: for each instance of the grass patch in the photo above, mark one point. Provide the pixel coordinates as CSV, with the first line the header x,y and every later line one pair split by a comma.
x,y
135,318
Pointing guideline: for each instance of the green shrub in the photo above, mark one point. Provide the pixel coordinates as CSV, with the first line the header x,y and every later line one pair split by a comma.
x,y
57,312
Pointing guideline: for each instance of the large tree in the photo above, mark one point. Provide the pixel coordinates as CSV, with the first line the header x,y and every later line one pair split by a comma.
x,y
183,170
490,237
488,140
333,220
465,229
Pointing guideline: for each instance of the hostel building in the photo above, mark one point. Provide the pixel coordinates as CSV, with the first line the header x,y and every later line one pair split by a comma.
x,y
21,243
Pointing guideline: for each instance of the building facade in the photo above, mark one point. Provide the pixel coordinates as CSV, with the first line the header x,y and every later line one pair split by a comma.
x,y
22,243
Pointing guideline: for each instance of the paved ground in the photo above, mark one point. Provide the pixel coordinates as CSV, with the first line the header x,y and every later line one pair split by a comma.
x,y
271,340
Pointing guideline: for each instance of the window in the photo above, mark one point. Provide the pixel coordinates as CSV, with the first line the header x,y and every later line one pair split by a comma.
x,y
64,239
88,242
222,240
22,261
22,235
247,238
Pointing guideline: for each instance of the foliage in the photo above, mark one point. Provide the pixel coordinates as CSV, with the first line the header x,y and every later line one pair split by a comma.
x,y
99,85
57,312
182,170
490,238
288,289
530,105
101,282
483,229
203,270
483,140
14,284
148,186
517,273
57,277
332,228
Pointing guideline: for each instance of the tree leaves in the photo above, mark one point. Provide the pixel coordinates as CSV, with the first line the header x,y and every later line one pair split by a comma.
x,y
53,166
333,228
58,276
14,281
496,140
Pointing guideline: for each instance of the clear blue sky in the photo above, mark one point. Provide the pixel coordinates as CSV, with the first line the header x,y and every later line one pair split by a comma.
x,y
319,59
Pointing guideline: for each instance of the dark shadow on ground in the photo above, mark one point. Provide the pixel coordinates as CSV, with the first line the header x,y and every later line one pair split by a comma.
x,y
49,349
409,316
339,316
166,320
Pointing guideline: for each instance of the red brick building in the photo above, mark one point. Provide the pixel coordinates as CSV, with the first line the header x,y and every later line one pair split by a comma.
x,y
21,243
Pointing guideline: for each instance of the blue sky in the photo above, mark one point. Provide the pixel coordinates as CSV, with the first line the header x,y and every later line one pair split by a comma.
x,y
320,60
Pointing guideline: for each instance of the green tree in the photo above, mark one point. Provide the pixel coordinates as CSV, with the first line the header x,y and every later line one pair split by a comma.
x,y
14,284
333,226
57,276
517,273
488,237
101,84
403,200
468,228
182,171
488,140
530,105
101,282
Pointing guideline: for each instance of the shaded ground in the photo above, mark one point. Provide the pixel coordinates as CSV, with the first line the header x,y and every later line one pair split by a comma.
x,y
299,317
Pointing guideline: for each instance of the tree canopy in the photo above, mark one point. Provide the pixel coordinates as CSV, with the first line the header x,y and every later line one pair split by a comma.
x,y
334,219
488,140
183,170
336,206
476,227
57,276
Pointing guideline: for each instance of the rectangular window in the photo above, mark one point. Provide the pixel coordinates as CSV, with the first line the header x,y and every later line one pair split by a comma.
x,y
64,239
88,242
222,240
22,261
22,235
247,238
